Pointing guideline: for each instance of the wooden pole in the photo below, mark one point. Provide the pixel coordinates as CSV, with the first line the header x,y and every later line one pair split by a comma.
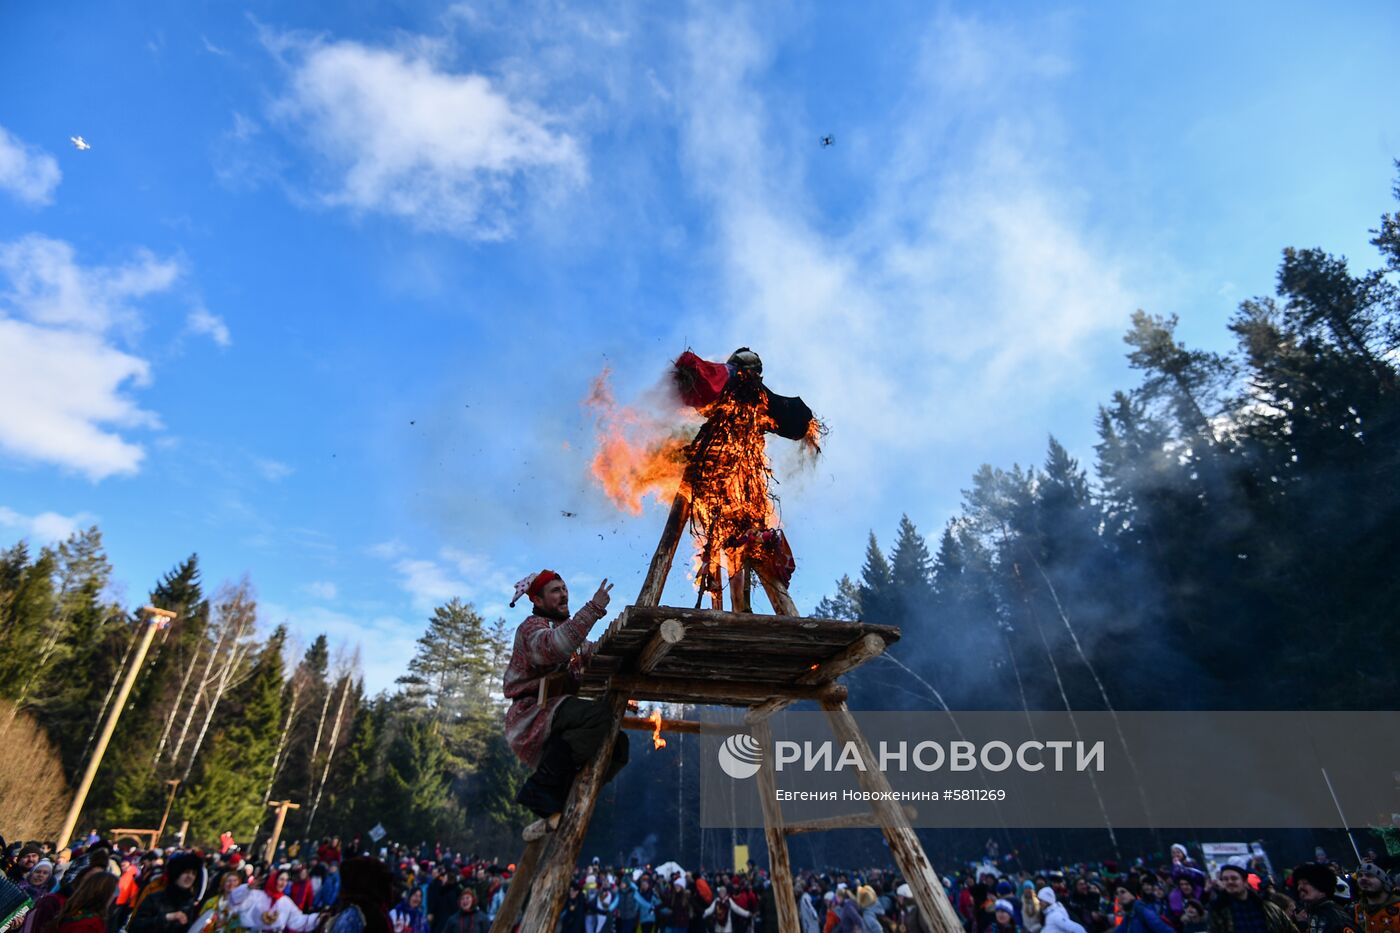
x,y
282,807
639,724
155,619
904,844
778,594
520,884
665,551
170,799
779,866
557,869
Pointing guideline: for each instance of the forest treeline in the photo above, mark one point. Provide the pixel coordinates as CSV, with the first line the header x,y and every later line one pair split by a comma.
x,y
1232,545
217,707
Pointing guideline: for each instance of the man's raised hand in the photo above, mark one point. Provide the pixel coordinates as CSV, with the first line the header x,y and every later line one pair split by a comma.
x,y
602,597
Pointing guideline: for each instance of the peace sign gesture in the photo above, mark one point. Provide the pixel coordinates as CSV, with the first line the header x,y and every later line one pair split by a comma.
x,y
602,597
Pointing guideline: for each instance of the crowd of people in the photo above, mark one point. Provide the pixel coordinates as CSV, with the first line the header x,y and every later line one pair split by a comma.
x,y
98,887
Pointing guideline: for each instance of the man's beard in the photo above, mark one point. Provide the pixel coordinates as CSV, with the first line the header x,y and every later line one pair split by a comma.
x,y
558,615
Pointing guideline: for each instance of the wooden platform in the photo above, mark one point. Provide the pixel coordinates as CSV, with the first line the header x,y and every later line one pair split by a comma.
x,y
708,656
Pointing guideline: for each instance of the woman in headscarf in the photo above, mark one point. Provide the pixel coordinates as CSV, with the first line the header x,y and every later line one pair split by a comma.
x,y
268,908
86,911
37,882
366,887
409,916
222,912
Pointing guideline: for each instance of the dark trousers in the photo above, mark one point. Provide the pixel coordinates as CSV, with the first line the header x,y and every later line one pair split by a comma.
x,y
579,728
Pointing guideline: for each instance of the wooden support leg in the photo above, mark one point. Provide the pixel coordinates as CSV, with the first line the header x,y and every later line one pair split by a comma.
x,y
774,833
557,867
665,551
519,886
904,844
777,594
740,582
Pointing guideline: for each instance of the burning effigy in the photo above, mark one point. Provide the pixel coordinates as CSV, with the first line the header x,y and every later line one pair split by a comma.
x,y
717,467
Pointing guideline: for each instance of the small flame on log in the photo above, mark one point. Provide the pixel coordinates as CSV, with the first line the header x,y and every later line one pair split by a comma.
x,y
655,719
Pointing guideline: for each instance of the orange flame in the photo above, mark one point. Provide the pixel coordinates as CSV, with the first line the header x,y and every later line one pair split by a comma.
x,y
655,719
638,454
722,468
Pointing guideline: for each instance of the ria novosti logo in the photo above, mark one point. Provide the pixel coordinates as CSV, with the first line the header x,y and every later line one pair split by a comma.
x,y
740,755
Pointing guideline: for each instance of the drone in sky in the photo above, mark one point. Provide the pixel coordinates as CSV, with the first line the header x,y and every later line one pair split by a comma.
x,y
828,140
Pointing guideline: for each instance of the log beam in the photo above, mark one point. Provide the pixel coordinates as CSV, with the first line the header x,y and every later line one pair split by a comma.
x,y
670,634
641,724
779,865
850,658
908,854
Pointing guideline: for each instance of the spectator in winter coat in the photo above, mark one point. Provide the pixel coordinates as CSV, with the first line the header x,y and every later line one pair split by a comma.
x,y
648,903
1240,909
1138,915
1056,919
678,907
86,911
866,899
1005,917
574,917
172,908
1378,903
725,913
468,917
1032,917
1193,918
409,916
807,913
37,882
848,918
1316,884
330,887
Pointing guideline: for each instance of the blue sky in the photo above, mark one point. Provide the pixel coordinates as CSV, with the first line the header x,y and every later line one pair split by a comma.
x,y
323,299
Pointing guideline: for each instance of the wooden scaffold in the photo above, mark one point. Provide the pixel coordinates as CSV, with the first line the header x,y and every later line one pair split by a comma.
x,y
762,663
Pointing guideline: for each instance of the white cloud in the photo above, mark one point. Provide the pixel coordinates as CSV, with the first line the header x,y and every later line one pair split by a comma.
x,y
272,470
429,583
27,172
63,379
44,528
396,132
322,589
389,641
967,278
454,573
203,321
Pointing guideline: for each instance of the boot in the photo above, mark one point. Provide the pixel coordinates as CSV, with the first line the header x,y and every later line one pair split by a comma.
x,y
547,789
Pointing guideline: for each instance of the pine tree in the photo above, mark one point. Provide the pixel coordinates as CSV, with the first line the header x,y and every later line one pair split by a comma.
x,y
416,779
451,679
227,795
910,569
844,604
876,590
